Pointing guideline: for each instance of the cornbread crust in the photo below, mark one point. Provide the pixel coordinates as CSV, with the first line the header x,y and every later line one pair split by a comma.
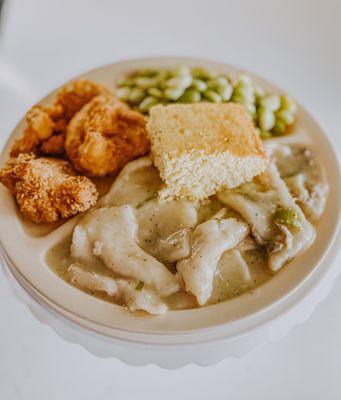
x,y
201,148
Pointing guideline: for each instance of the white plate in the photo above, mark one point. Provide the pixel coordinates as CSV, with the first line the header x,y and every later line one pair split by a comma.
x,y
204,335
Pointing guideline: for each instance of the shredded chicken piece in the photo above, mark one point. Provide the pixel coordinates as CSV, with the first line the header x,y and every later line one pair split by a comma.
x,y
46,126
47,189
104,136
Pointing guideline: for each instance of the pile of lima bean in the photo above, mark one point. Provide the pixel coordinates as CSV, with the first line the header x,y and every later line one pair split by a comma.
x,y
272,114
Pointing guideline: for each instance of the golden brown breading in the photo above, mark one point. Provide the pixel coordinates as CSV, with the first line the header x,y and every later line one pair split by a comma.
x,y
44,123
47,189
105,135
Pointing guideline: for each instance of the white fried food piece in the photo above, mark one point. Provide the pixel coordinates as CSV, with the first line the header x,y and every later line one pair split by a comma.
x,y
104,136
209,241
47,189
46,126
128,292
111,235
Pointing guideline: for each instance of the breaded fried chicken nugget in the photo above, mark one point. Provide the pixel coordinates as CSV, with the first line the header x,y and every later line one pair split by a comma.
x,y
47,189
105,135
46,126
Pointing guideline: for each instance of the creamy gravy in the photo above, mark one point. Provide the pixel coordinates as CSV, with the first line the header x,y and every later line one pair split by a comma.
x,y
164,231
59,259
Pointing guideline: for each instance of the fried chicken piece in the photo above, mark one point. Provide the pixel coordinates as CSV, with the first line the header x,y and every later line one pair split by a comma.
x,y
47,189
53,145
104,136
46,126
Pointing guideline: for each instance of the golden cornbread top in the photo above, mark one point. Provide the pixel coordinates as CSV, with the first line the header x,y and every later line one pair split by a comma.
x,y
209,128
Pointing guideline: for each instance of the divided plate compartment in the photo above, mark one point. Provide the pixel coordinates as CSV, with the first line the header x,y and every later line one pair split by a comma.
x,y
203,336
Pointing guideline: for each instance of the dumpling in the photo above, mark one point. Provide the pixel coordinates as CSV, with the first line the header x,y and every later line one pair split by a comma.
x,y
303,176
138,181
128,292
111,233
311,198
277,221
140,299
91,280
232,277
164,228
209,241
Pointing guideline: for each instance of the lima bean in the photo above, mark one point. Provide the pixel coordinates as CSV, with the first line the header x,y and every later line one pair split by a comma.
x,y
288,104
178,82
246,93
285,116
155,92
225,92
147,104
271,102
266,119
244,79
190,96
217,83
279,127
173,93
212,96
199,85
136,95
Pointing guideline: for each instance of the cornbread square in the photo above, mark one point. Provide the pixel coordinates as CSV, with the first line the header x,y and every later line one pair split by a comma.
x,y
201,148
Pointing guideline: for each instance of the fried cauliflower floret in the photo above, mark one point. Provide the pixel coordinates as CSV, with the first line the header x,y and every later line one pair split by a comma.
x,y
46,126
104,136
47,189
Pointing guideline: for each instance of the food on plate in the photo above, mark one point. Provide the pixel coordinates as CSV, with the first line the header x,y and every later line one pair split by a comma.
x,y
165,229
278,224
111,235
303,176
271,113
131,293
104,135
47,189
138,182
188,253
201,148
196,207
46,126
209,241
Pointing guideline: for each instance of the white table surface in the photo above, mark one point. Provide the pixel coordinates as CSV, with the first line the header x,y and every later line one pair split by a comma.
x,y
295,43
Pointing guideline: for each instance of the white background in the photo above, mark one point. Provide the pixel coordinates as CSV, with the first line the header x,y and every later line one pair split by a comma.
x,y
293,43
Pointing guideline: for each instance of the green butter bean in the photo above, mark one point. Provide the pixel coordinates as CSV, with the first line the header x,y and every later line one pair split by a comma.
x,y
285,116
212,96
199,85
266,119
271,102
190,96
173,93
147,104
